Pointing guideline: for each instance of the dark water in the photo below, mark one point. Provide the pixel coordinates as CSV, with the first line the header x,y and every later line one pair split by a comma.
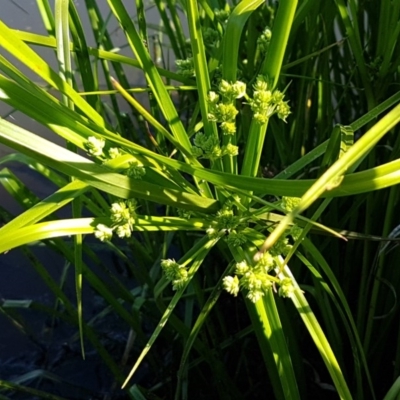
x,y
30,340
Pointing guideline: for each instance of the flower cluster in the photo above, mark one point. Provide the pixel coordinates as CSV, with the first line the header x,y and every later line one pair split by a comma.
x,y
281,247
374,68
236,239
94,146
186,67
123,214
211,38
135,170
264,39
225,221
175,273
295,231
290,203
286,287
222,108
256,280
103,233
265,103
226,218
221,15
185,213
207,146
114,152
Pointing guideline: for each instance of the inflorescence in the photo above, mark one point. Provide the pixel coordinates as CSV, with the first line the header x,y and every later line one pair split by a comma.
x,y
222,109
123,215
266,103
256,279
175,273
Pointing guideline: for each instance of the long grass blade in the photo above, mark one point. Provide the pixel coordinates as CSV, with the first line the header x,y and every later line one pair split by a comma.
x,y
202,249
333,177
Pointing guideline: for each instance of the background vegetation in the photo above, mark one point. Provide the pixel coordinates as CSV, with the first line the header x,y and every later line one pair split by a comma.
x,y
215,182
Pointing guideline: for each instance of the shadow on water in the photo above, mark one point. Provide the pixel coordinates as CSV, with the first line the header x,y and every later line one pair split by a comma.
x,y
38,340
34,344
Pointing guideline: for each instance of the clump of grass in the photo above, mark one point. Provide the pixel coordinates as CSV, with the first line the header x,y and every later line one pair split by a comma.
x,y
301,93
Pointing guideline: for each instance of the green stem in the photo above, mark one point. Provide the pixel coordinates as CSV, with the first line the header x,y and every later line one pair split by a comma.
x,y
356,47
280,34
271,68
381,264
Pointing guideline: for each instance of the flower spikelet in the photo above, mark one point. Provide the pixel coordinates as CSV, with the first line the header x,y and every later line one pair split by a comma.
x,y
242,268
124,230
222,106
103,233
264,39
186,67
266,262
265,103
254,279
114,152
286,288
175,273
281,247
94,146
135,170
230,149
206,146
221,15
231,284
123,215
236,239
226,219
211,37
290,203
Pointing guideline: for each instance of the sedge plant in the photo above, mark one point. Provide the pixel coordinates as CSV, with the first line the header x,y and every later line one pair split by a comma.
x,y
253,197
